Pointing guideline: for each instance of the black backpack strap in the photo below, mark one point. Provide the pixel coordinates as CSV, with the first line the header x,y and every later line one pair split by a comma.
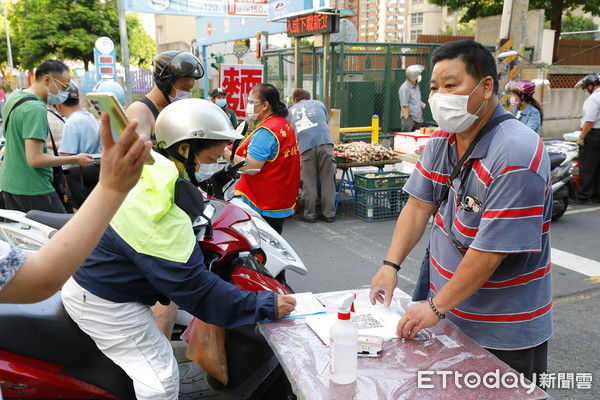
x,y
487,127
150,105
18,103
56,114
23,100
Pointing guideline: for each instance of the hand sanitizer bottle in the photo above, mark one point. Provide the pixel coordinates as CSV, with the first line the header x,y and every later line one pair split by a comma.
x,y
343,345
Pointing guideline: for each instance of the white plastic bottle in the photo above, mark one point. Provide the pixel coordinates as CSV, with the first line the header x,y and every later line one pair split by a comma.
x,y
343,345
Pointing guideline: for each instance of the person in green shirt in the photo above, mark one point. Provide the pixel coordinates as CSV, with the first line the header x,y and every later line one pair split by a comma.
x,y
26,173
219,97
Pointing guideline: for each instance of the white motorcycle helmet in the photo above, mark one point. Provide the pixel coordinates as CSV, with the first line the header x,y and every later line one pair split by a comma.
x,y
413,72
195,121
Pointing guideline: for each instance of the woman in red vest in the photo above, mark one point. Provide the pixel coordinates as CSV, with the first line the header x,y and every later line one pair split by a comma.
x,y
271,148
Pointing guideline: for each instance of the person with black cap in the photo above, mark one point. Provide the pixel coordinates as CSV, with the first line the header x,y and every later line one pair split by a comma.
x,y
219,97
175,74
81,133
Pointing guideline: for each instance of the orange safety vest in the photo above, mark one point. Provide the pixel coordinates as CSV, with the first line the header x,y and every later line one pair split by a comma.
x,y
275,187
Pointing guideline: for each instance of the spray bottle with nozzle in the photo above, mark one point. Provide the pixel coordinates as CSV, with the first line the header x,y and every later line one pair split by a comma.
x,y
343,344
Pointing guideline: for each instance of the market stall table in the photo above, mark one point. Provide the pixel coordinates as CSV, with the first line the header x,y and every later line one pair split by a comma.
x,y
438,352
347,179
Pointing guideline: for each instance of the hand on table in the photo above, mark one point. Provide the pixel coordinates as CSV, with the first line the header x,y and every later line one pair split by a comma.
x,y
417,317
285,305
383,285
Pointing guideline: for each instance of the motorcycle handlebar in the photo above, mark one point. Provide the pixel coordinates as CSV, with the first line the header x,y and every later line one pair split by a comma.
x,y
231,167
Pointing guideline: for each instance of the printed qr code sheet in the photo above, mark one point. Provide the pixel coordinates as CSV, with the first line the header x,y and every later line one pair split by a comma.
x,y
365,321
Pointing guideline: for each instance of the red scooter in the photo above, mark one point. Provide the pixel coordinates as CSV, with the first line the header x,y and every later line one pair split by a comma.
x,y
44,354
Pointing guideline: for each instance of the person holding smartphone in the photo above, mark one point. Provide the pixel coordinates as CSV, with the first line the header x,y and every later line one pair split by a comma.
x,y
33,277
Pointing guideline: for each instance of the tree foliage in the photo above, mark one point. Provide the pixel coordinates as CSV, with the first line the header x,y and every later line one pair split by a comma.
x,y
68,30
142,48
578,24
554,9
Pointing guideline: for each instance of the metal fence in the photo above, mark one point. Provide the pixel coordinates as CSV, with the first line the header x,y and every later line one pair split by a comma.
x,y
365,78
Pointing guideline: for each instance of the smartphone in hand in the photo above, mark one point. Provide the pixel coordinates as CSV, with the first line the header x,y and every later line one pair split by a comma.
x,y
108,103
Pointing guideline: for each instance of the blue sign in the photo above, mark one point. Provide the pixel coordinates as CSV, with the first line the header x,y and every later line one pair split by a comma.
x,y
265,9
218,30
106,64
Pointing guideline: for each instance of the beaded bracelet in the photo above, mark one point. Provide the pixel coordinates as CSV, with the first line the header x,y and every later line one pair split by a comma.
x,y
391,264
439,314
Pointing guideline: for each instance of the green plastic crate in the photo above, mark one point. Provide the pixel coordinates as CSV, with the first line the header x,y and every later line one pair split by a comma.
x,y
378,205
381,180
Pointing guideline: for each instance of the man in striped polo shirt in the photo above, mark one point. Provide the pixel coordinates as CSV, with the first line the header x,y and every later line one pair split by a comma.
x,y
490,240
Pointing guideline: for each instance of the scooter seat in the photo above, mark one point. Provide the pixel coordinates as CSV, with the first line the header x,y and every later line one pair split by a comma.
x,y
556,159
44,331
54,220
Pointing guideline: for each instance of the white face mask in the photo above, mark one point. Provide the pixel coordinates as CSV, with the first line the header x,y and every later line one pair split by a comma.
x,y
180,95
451,113
250,111
206,170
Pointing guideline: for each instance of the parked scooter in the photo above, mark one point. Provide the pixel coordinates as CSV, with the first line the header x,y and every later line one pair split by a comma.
x,y
561,156
43,354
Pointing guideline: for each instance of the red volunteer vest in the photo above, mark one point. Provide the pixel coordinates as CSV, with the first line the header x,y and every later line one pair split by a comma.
x,y
275,187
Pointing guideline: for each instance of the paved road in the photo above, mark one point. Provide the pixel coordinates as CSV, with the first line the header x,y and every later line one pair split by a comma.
x,y
347,253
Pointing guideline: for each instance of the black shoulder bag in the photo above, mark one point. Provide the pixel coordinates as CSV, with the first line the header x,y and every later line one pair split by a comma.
x,y
422,288
59,180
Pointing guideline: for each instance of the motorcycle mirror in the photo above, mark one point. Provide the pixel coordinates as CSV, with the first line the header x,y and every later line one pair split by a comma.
x,y
241,129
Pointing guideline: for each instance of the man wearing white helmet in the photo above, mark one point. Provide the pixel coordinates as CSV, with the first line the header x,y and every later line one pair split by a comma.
x,y
157,258
410,99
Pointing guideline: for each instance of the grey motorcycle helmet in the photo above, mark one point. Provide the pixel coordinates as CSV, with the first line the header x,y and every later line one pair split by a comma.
x,y
172,65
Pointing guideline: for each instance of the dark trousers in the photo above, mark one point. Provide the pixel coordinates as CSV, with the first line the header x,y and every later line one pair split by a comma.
x,y
589,165
81,181
276,223
48,202
409,124
528,362
317,164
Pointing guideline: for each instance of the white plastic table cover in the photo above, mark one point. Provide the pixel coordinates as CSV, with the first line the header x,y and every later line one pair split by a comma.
x,y
304,359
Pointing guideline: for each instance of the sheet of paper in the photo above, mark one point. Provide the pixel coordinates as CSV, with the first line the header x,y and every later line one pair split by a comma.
x,y
306,304
376,320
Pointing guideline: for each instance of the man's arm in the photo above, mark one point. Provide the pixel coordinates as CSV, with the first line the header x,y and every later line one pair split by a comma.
x,y
409,229
36,158
587,127
473,271
405,112
140,112
44,272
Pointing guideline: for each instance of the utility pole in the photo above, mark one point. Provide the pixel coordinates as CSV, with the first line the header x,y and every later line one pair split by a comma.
x,y
514,23
9,50
124,51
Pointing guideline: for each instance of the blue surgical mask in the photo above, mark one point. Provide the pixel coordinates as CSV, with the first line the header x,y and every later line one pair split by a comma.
x,y
57,98
206,170
180,95
221,102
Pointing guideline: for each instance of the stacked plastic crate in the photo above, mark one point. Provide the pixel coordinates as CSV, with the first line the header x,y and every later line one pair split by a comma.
x,y
378,196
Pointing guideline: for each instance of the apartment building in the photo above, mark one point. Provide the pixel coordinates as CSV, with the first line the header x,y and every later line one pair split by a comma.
x,y
395,20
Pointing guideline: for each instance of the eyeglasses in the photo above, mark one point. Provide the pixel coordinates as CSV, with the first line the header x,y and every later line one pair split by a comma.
x,y
63,85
